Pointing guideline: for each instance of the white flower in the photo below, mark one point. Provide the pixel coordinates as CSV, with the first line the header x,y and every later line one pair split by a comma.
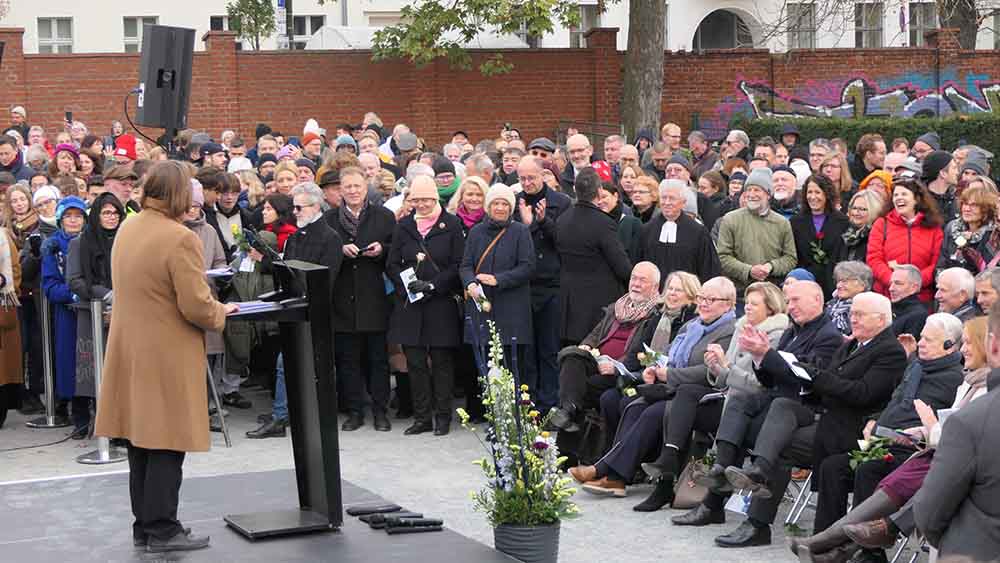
x,y
961,241
595,352
864,445
420,257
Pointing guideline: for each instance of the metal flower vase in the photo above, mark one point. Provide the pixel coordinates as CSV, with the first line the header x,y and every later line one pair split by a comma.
x,y
529,544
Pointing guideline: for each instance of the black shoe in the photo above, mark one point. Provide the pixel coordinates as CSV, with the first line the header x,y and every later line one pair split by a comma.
x,y
236,400
715,480
403,414
272,429
442,427
662,495
31,405
752,480
214,424
562,418
700,515
180,542
144,540
746,535
354,421
419,427
264,418
382,423
80,433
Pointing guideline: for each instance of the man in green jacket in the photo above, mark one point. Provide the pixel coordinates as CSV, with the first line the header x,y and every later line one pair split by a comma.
x,y
755,243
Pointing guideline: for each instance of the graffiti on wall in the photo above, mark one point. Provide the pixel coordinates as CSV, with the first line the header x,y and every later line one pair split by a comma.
x,y
859,97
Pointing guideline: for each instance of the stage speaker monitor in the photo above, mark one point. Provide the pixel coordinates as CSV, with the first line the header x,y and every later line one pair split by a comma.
x,y
165,76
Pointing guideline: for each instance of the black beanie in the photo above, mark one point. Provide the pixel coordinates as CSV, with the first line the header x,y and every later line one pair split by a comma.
x,y
934,163
262,129
443,166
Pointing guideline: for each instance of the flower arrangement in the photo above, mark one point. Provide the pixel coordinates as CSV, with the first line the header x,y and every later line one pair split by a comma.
x,y
871,449
241,239
524,486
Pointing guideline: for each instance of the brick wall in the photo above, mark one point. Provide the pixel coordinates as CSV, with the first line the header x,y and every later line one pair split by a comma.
x,y
234,89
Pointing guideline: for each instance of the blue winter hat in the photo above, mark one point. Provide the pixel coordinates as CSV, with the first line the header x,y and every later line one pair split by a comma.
x,y
71,202
346,140
801,274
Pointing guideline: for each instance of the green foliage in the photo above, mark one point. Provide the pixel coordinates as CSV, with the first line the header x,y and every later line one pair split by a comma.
x,y
433,28
980,129
252,19
524,486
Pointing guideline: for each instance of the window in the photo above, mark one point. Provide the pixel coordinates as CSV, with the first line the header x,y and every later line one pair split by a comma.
x,y
722,29
304,27
133,32
530,40
802,26
590,17
868,25
220,23
923,18
55,35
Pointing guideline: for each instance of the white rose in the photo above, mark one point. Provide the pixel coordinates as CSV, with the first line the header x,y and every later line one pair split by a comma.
x,y
864,445
961,241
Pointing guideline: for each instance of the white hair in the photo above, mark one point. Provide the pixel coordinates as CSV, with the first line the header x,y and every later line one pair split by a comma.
x,y
880,303
678,185
309,189
418,169
949,324
369,156
482,163
963,278
653,269
725,286
450,146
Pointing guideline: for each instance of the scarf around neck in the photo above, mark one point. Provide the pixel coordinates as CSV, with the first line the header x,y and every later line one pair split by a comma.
x,y
470,218
426,222
695,330
628,310
664,328
349,221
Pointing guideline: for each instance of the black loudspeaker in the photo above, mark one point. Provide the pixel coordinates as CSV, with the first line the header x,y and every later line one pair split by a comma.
x,y
2,45
165,76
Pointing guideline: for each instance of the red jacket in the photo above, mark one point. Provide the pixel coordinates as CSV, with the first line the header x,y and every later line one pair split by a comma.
x,y
283,231
892,239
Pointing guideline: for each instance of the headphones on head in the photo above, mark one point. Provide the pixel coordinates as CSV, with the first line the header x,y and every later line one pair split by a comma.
x,y
948,344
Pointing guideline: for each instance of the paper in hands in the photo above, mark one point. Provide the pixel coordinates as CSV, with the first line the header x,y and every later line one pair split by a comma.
x,y
792,362
661,359
409,275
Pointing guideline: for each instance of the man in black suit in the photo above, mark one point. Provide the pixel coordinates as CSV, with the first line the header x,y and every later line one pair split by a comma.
x,y
860,378
812,338
909,313
685,246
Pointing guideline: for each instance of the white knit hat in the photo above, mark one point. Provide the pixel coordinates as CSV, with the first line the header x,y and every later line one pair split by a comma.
x,y
501,191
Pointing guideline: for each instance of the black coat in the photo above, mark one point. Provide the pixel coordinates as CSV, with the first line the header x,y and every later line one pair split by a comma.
x,y
630,234
909,315
693,251
433,320
212,218
543,236
855,384
360,302
832,244
567,181
318,244
813,343
512,262
708,210
595,268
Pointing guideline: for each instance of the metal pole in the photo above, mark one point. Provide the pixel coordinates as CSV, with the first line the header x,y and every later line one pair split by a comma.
x,y
218,403
104,452
50,420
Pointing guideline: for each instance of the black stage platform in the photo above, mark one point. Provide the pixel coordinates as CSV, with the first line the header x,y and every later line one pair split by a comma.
x,y
88,519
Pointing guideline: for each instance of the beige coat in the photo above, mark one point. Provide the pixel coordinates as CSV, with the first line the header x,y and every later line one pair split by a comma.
x,y
153,390
10,329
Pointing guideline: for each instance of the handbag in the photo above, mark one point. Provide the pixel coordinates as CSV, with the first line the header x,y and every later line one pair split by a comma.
x,y
687,493
654,392
8,318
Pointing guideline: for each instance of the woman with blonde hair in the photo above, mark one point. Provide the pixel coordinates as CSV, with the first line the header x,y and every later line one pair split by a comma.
x,y
834,166
468,203
645,198
677,306
254,188
863,209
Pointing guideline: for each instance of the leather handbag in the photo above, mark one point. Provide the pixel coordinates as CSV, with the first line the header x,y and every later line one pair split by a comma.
x,y
8,318
687,493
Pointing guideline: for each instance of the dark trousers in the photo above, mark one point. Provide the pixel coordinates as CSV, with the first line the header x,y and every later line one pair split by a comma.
x,y
904,519
541,368
431,386
638,435
785,439
837,480
580,384
467,375
81,411
154,483
31,342
687,414
348,349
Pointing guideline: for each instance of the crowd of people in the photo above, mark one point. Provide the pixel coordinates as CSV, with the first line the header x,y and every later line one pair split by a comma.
x,y
784,299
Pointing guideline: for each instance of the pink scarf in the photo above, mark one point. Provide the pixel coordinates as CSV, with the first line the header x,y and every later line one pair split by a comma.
x,y
470,218
426,223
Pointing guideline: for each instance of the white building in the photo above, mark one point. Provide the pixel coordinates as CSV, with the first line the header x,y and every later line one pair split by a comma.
x,y
111,26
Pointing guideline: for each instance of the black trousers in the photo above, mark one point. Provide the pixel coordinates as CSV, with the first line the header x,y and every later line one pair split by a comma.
x,y
580,384
154,483
431,386
687,414
837,480
348,350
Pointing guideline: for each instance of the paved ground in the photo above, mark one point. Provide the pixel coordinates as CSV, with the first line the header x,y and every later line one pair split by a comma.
x,y
432,474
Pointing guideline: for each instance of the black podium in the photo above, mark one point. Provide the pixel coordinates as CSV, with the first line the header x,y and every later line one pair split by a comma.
x,y
302,310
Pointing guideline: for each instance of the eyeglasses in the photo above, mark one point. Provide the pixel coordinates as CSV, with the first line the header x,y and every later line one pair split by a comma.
x,y
710,300
859,209
444,177
541,154
301,207
859,314
110,213
44,202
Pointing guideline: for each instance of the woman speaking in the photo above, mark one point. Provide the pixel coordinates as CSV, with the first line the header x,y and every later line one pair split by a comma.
x,y
153,391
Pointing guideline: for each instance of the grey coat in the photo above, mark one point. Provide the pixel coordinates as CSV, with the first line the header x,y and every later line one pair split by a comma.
x,y
958,507
696,370
740,374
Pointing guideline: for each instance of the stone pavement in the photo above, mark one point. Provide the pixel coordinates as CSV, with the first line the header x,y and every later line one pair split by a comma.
x,y
431,474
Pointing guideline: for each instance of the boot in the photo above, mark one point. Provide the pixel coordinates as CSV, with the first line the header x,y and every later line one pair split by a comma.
x,y
442,425
840,554
404,397
876,534
665,465
873,507
662,495
562,418
270,429
715,480
381,421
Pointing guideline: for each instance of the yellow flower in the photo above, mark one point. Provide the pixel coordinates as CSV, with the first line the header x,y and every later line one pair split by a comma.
x,y
545,434
235,229
641,356
534,414
524,387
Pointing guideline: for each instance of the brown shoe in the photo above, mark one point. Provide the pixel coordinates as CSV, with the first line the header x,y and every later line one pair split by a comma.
x,y
875,534
605,488
801,474
583,473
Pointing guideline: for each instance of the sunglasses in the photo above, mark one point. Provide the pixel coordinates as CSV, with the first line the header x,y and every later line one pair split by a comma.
x,y
301,207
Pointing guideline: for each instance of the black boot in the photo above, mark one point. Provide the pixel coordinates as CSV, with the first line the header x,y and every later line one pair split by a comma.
x,y
404,397
665,466
354,421
745,535
876,506
715,480
662,495
270,429
382,423
700,515
442,425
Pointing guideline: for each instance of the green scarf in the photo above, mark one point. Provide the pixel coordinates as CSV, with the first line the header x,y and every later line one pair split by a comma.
x,y
444,194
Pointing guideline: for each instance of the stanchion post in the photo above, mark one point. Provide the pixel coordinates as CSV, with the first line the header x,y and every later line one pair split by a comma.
x,y
104,452
50,420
